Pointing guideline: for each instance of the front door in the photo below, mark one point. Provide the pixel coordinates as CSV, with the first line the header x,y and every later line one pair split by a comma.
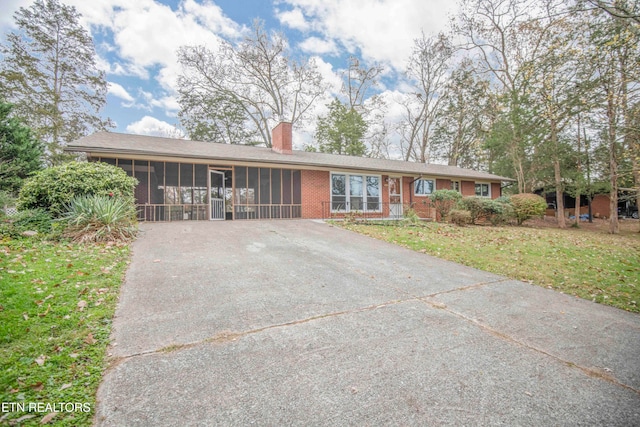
x,y
395,197
216,193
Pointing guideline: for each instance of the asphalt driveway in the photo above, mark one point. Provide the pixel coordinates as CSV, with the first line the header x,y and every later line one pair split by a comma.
x,y
301,323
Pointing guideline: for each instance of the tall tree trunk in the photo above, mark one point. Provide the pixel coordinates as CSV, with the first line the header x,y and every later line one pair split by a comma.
x,y
559,194
614,227
635,161
558,176
577,203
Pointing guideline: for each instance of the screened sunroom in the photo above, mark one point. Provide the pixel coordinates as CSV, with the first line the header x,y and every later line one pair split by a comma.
x,y
176,191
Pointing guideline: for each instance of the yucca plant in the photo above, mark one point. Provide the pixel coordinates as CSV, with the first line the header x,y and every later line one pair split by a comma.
x,y
97,218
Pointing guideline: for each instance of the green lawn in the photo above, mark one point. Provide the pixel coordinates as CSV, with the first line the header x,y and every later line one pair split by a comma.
x,y
592,265
56,305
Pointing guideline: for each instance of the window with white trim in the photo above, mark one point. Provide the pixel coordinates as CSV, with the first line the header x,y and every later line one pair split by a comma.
x,y
424,187
355,192
483,189
455,185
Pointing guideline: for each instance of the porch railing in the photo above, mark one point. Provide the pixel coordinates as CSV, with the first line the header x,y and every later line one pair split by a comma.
x,y
386,210
267,211
167,213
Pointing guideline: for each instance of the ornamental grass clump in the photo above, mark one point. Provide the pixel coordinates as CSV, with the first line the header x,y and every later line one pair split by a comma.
x,y
97,218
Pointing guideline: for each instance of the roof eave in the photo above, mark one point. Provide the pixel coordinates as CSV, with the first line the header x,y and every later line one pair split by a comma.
x,y
285,160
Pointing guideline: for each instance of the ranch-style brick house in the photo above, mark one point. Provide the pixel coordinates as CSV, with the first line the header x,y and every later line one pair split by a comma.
x,y
193,180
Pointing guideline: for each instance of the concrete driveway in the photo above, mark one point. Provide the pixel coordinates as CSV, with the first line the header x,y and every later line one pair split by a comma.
x,y
301,323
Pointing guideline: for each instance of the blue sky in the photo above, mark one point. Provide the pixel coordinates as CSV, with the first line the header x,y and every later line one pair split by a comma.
x,y
136,41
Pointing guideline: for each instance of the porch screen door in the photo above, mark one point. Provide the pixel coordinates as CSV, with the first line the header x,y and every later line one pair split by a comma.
x,y
395,197
217,192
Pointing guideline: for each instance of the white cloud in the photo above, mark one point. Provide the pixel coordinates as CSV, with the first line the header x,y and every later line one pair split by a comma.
x,y
169,104
146,34
153,127
293,19
118,91
315,45
329,75
382,30
140,39
9,7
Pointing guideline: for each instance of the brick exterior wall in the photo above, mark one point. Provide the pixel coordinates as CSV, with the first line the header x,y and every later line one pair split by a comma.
x,y
420,204
496,190
468,188
316,189
443,184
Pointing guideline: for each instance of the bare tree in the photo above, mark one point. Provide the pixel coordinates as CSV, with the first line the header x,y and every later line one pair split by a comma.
x,y
428,69
258,75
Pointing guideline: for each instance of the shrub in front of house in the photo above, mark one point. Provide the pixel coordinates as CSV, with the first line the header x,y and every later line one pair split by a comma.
x,y
443,201
97,218
480,208
527,205
460,217
26,221
53,188
496,211
504,212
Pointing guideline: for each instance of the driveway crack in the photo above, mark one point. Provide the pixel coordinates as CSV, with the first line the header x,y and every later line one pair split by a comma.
x,y
227,336
589,371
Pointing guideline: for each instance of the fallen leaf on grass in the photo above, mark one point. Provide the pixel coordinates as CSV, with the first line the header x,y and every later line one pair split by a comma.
x,y
40,360
24,418
47,418
90,339
25,316
46,311
37,386
66,386
81,305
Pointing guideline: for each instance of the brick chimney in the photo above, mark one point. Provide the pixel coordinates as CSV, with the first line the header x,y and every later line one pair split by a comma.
x,y
281,138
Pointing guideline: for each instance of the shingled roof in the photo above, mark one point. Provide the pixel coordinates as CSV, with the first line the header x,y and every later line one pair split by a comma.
x,y
118,144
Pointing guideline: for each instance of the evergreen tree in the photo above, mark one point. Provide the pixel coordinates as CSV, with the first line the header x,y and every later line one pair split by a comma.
x,y
20,151
341,131
49,72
